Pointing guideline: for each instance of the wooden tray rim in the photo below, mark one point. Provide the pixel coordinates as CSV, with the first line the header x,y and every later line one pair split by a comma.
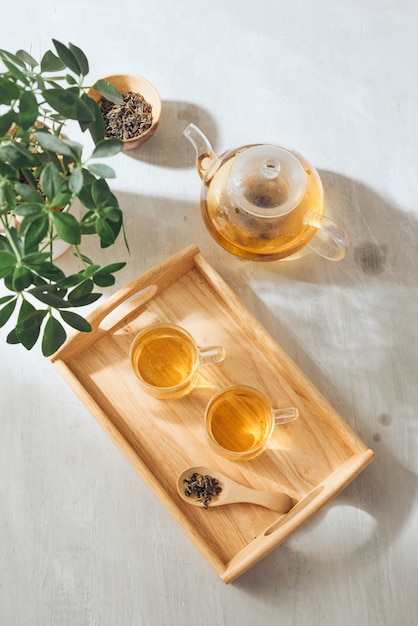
x,y
188,259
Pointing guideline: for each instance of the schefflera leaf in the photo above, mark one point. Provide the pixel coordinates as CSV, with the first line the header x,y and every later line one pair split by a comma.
x,y
53,337
67,227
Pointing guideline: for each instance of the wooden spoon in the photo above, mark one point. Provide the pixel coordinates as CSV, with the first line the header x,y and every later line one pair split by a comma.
x,y
233,492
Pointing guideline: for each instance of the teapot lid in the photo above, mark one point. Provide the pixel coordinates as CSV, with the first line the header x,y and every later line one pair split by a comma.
x,y
267,181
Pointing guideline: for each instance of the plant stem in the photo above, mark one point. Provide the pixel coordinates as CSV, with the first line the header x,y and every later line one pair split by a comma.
x,y
9,238
79,256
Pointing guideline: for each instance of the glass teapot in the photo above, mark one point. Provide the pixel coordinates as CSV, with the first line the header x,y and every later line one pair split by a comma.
x,y
264,202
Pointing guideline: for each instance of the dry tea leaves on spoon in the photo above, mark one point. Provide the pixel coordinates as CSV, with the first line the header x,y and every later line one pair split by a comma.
x,y
203,487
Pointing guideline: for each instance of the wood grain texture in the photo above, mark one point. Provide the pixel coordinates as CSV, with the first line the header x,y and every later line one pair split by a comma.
x,y
314,457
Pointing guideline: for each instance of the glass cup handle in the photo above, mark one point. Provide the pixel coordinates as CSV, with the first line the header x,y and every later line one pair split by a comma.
x,y
210,355
282,416
330,240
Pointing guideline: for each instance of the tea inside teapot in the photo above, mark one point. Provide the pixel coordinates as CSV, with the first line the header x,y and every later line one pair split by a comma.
x,y
266,181
264,202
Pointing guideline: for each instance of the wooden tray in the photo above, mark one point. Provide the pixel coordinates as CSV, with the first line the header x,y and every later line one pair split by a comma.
x,y
312,458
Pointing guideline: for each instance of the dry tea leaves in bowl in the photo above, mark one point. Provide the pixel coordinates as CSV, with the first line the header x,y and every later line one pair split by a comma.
x,y
128,120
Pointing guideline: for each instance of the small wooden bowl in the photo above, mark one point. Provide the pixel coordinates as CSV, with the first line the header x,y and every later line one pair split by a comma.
x,y
136,84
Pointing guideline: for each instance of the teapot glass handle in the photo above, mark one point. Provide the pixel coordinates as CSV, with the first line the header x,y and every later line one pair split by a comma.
x,y
330,240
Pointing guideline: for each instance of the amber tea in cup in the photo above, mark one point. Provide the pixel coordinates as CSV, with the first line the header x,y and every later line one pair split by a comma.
x,y
240,422
166,359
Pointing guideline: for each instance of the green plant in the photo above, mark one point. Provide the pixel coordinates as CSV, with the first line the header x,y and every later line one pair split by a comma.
x,y
42,172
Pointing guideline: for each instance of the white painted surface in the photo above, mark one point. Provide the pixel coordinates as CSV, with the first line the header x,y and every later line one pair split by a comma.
x,y
82,540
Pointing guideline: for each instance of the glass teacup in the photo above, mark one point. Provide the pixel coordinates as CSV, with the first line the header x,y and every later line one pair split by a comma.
x,y
166,359
240,422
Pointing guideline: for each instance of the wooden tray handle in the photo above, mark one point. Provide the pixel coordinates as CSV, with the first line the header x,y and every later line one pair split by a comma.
x,y
142,289
298,515
132,296
112,314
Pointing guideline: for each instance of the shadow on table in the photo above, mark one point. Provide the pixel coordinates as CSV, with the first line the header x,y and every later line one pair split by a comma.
x,y
156,227
377,266
375,281
168,147
382,241
376,506
383,237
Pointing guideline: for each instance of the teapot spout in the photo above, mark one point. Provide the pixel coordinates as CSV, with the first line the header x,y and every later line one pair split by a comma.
x,y
205,155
